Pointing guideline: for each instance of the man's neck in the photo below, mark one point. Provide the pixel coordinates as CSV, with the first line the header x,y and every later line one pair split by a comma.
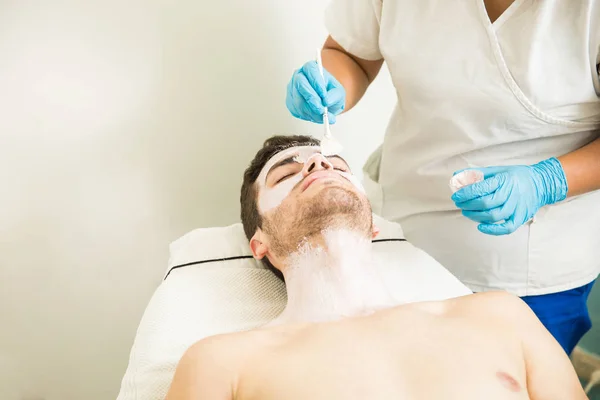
x,y
331,277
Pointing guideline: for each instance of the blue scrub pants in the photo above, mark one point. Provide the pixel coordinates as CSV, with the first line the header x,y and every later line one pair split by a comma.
x,y
564,314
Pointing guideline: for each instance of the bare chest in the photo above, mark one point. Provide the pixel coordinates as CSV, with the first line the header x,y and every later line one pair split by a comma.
x,y
413,361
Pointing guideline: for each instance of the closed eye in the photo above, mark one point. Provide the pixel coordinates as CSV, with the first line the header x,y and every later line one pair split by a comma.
x,y
283,178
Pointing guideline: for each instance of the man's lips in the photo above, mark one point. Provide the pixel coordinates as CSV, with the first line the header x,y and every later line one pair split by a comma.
x,y
315,176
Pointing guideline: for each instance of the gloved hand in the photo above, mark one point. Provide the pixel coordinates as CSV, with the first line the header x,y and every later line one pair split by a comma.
x,y
307,94
512,194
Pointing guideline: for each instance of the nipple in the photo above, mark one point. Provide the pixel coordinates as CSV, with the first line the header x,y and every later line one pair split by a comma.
x,y
508,381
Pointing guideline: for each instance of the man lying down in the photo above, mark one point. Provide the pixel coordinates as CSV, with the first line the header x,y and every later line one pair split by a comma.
x,y
341,336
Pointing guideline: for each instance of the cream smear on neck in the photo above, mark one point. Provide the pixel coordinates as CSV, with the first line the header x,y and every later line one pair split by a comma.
x,y
331,278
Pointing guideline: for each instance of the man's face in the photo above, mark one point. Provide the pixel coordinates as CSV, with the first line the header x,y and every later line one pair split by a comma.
x,y
300,193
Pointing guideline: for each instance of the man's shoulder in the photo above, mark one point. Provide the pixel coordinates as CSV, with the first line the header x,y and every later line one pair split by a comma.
x,y
491,299
500,305
228,348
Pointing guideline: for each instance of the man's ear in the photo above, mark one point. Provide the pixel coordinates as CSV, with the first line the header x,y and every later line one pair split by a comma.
x,y
258,246
375,231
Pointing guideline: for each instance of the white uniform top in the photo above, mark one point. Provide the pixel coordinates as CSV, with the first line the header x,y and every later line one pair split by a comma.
x,y
475,94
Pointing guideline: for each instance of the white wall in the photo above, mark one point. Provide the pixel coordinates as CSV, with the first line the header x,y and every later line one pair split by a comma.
x,y
124,124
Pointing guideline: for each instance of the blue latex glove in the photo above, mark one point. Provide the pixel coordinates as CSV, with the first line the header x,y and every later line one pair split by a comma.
x,y
510,196
307,94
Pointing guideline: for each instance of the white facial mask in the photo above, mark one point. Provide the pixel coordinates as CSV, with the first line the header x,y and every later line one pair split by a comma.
x,y
271,197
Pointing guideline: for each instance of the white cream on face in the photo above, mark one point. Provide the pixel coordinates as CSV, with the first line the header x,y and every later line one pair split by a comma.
x,y
271,197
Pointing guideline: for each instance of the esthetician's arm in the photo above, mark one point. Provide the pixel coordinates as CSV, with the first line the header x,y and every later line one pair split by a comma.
x,y
355,74
582,169
202,374
509,196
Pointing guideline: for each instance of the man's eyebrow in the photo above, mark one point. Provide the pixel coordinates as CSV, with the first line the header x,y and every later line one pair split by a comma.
x,y
289,160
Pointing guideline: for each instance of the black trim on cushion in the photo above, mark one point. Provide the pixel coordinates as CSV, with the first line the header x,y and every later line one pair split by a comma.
x,y
206,261
244,257
388,240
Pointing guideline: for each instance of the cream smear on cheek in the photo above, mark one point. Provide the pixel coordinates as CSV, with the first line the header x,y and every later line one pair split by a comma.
x,y
271,197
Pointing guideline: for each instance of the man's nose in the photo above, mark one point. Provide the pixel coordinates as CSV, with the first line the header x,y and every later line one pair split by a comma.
x,y
315,163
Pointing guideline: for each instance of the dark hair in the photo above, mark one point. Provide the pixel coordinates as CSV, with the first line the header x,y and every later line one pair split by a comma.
x,y
251,218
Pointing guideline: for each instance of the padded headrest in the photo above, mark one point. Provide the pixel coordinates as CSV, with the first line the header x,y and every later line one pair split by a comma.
x,y
220,244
